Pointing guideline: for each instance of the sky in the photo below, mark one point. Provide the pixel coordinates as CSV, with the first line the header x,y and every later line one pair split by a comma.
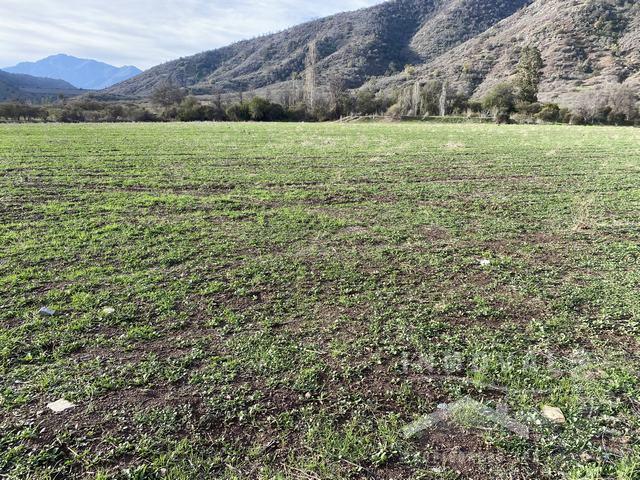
x,y
145,33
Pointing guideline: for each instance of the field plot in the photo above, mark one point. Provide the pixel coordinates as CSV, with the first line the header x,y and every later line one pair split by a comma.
x,y
281,301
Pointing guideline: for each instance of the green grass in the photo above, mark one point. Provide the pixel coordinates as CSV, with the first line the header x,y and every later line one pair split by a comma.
x,y
288,297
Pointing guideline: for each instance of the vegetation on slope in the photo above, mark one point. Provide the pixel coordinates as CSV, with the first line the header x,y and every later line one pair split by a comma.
x,y
352,46
470,44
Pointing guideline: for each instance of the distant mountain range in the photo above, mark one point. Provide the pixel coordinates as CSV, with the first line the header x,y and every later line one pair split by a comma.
x,y
79,72
473,44
28,88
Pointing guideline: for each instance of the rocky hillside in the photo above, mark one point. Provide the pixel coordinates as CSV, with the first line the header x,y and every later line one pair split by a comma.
x,y
474,44
355,46
29,88
585,44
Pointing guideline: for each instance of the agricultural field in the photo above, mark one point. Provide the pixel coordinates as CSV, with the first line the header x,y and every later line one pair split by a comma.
x,y
285,301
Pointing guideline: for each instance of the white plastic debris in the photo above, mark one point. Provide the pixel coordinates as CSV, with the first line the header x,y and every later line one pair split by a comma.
x,y
485,262
47,312
108,310
469,413
60,405
553,414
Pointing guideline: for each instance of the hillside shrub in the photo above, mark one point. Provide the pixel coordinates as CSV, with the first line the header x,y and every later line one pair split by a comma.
x,y
238,112
501,102
549,113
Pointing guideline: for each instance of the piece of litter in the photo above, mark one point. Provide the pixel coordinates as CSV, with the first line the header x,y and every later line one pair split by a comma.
x,y
108,310
60,405
466,412
553,414
485,263
47,312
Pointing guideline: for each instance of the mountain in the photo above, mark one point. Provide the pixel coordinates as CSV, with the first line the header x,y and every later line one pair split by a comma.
x,y
585,45
29,88
82,73
354,46
473,44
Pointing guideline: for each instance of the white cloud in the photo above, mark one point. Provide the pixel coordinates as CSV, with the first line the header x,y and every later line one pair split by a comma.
x,y
145,32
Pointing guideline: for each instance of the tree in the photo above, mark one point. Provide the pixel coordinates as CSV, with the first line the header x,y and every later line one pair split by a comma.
x,y
431,96
529,74
341,102
190,110
615,104
501,101
622,101
262,110
416,100
310,76
443,100
239,112
366,103
23,111
167,95
115,113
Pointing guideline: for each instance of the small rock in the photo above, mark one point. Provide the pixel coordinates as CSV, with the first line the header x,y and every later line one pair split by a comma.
x,y
553,414
60,405
586,457
108,310
47,312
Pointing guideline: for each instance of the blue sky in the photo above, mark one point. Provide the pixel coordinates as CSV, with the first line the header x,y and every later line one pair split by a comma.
x,y
145,32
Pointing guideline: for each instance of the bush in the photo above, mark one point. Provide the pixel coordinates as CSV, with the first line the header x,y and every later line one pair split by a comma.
x,y
501,101
137,114
191,110
458,103
297,113
262,110
115,113
366,103
503,117
565,115
395,111
71,114
527,108
239,112
474,106
575,119
549,113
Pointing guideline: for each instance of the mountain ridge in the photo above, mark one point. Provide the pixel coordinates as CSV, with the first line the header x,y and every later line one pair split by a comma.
x,y
82,73
21,87
354,45
472,44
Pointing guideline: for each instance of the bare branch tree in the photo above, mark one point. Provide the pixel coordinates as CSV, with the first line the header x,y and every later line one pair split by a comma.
x,y
310,84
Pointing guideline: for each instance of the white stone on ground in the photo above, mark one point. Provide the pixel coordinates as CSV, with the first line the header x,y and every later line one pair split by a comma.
x,y
60,405
553,414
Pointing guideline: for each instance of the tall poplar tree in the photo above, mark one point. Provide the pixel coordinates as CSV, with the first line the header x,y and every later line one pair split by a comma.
x,y
529,74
